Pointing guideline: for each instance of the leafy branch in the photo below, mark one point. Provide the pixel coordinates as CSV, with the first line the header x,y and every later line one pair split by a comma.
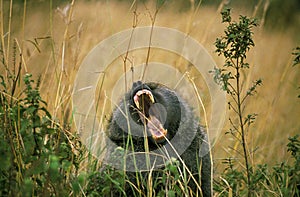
x,y
234,46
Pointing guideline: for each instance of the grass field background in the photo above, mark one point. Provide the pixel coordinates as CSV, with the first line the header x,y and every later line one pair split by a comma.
x,y
55,37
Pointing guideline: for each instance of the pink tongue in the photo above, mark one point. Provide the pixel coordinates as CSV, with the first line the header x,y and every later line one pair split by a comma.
x,y
156,129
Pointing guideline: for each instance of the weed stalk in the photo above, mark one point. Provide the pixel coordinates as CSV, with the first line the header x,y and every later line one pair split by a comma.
x,y
234,47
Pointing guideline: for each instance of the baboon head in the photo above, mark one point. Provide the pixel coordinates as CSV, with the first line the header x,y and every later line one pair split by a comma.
x,y
156,108
154,112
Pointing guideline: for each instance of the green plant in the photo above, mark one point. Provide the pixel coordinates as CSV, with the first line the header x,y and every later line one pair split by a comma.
x,y
165,182
255,179
296,61
37,155
287,176
296,53
279,180
169,184
102,183
234,46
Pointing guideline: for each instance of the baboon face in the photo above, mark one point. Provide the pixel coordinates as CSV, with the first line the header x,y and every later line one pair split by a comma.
x,y
146,106
150,106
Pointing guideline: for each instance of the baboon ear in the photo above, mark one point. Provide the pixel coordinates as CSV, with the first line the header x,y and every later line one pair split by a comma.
x,y
136,84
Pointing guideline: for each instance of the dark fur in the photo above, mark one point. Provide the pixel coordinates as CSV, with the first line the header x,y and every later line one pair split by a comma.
x,y
180,122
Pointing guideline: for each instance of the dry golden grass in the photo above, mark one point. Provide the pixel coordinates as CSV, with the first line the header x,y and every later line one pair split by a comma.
x,y
62,40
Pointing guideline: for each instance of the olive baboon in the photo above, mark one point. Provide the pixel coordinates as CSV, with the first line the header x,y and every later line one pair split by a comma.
x,y
157,115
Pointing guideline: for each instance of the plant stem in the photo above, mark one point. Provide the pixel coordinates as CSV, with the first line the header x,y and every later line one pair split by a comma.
x,y
239,105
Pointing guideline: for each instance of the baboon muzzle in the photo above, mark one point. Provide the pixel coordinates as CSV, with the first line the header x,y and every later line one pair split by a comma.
x,y
149,114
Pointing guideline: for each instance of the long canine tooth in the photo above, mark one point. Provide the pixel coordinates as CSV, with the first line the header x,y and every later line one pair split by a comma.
x,y
136,101
151,98
137,104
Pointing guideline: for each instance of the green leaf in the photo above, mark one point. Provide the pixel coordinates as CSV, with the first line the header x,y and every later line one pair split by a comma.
x,y
296,53
171,193
160,3
66,165
54,168
226,15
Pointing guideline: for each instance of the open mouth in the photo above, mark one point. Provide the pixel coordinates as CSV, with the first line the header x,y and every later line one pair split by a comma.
x,y
149,114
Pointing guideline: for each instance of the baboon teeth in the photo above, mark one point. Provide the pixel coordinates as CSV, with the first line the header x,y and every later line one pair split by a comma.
x,y
139,93
137,104
147,92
